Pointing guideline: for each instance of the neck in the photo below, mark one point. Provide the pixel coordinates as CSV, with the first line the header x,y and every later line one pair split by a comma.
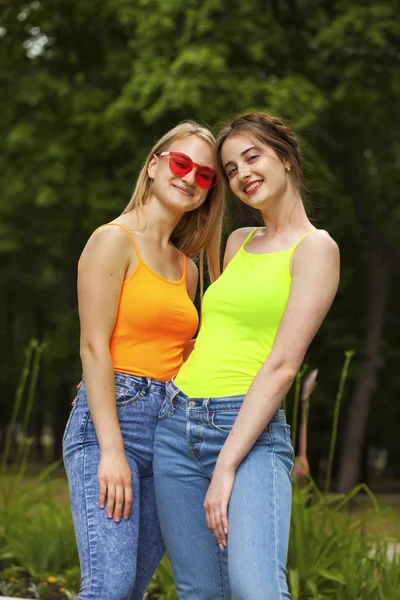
x,y
156,221
285,213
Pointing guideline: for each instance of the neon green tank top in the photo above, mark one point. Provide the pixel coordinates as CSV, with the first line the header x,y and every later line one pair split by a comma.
x,y
241,313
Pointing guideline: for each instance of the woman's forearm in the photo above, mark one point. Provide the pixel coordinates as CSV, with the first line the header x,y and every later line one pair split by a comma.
x,y
259,406
100,389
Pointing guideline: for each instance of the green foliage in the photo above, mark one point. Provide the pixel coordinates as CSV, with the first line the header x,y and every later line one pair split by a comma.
x,y
41,539
162,586
331,557
88,86
345,371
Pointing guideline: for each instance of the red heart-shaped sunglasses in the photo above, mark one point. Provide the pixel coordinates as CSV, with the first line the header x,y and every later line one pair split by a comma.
x,y
181,164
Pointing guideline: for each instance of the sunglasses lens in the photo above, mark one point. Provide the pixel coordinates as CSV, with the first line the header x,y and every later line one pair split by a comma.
x,y
205,177
180,164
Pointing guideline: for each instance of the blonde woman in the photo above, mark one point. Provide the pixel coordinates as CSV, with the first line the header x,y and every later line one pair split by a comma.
x,y
136,286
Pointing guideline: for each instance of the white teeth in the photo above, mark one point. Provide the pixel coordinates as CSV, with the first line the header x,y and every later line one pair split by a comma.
x,y
252,186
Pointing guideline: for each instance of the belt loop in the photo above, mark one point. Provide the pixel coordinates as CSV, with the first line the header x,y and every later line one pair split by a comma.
x,y
146,387
175,393
206,402
175,390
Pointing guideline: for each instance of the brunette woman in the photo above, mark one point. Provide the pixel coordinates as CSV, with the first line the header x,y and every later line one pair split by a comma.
x,y
222,443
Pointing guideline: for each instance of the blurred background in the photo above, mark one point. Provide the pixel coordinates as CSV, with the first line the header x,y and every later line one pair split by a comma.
x,y
87,87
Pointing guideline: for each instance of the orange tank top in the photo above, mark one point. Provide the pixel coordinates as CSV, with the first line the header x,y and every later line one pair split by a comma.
x,y
155,320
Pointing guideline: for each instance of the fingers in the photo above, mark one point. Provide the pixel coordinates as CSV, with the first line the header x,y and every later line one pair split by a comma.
x,y
118,497
78,387
102,493
110,500
217,522
119,501
128,500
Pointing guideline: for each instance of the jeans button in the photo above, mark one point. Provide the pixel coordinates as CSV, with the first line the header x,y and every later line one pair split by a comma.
x,y
192,404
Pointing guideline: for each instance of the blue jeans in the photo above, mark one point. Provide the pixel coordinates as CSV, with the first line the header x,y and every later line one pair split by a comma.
x,y
189,437
117,559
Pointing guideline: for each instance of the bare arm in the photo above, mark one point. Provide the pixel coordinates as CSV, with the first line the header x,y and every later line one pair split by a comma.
x,y
101,275
315,278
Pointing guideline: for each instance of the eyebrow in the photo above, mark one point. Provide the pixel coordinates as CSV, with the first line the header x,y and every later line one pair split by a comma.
x,y
241,154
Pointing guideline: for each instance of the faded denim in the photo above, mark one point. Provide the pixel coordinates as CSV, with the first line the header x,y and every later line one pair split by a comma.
x,y
189,437
117,559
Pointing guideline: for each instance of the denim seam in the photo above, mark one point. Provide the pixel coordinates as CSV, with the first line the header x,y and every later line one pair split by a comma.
x,y
198,462
84,424
215,427
68,424
221,578
139,394
276,517
92,573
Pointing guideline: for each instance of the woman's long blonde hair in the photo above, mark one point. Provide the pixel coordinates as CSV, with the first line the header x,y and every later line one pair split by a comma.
x,y
198,229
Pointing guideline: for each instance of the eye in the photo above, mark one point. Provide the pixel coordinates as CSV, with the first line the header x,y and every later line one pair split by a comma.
x,y
252,157
231,172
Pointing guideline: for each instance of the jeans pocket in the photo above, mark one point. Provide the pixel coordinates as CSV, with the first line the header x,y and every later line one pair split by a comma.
x,y
125,396
166,409
280,432
288,438
223,420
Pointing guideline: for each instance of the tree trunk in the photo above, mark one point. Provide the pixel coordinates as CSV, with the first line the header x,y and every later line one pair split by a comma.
x,y
354,437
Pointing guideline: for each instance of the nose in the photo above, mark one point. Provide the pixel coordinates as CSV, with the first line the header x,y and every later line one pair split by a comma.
x,y
189,178
243,172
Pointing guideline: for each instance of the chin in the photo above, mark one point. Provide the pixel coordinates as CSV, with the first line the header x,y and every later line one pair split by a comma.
x,y
256,202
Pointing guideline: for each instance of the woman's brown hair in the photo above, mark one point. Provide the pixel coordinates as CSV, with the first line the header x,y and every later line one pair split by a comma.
x,y
270,131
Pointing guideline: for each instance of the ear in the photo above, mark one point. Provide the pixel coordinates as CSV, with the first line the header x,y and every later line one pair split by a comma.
x,y
287,165
151,169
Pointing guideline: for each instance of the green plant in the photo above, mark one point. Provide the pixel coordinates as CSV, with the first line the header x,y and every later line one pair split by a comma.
x,y
35,533
345,371
330,557
42,540
162,586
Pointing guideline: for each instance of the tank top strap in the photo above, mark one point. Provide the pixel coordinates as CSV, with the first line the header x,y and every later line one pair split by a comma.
x,y
302,238
128,233
248,236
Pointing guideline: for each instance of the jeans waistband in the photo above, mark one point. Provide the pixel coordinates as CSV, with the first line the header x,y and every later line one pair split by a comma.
x,y
209,404
134,381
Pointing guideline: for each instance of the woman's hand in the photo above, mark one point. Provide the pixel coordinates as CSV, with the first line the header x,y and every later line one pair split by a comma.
x,y
216,503
115,484
78,387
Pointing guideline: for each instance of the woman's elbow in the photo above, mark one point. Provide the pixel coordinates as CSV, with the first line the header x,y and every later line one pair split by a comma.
x,y
92,349
283,370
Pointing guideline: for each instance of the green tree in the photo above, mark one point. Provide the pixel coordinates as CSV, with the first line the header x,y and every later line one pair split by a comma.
x,y
89,86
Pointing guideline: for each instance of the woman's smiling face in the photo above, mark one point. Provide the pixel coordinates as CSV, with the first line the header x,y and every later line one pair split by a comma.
x,y
181,192
255,173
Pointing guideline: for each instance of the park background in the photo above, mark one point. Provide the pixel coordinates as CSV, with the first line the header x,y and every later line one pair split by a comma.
x,y
88,86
